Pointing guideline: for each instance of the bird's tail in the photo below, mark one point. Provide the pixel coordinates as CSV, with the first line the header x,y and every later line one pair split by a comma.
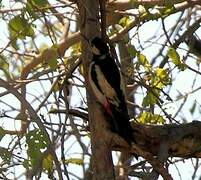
x,y
119,122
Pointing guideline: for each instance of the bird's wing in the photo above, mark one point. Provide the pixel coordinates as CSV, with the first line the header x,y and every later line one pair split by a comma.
x,y
94,84
106,88
122,85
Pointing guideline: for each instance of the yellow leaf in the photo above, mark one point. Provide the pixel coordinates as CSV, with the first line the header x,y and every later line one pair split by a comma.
x,y
77,161
48,163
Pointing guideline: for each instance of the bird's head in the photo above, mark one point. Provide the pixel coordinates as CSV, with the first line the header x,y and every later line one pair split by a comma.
x,y
99,47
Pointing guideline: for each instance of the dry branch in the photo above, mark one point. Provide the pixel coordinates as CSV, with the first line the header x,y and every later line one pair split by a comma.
x,y
33,115
182,140
112,18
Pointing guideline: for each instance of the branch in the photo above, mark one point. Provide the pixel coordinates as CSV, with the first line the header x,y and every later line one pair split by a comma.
x,y
183,140
35,117
47,53
128,4
74,112
179,140
157,143
112,18
182,38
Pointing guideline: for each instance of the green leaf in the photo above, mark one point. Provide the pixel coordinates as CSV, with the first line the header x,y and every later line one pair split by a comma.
x,y
77,161
52,62
26,164
142,60
36,141
56,88
192,109
20,28
2,133
174,56
48,165
5,155
34,155
132,51
125,21
160,78
162,73
182,66
48,162
148,117
53,110
165,11
31,11
4,66
3,63
150,98
39,3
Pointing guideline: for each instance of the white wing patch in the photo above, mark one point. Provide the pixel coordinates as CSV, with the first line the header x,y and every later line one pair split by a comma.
x,y
106,88
100,96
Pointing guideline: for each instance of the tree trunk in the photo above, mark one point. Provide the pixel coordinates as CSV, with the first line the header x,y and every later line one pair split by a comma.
x,y
102,165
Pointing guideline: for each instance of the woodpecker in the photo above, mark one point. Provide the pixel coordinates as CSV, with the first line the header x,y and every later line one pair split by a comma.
x,y
106,82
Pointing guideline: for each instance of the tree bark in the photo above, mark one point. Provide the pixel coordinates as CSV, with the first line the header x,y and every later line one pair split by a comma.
x,y
102,165
180,140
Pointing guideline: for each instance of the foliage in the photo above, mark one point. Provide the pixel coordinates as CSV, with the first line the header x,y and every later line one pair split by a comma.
x,y
147,117
41,59
77,161
36,142
174,56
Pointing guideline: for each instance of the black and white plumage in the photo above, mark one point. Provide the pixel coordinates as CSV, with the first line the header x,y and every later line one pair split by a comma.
x,y
106,83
